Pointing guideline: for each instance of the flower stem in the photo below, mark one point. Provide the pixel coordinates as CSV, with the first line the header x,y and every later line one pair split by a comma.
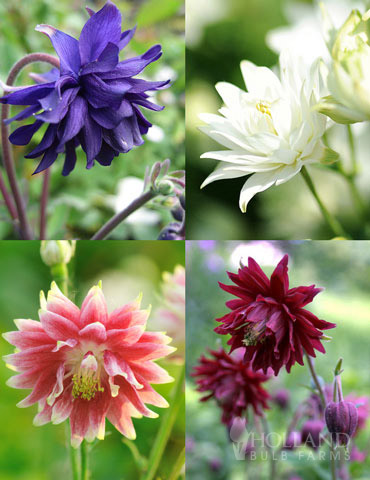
x,y
25,228
332,222
180,462
352,151
165,429
84,461
72,453
119,217
43,204
273,462
323,400
60,276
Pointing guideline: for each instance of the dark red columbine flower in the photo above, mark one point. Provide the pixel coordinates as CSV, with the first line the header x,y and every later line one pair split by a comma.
x,y
232,383
269,319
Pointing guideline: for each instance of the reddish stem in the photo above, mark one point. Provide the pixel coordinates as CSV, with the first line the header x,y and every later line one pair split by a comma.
x,y
43,204
25,228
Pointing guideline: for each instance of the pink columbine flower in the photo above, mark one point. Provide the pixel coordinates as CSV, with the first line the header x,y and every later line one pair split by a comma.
x,y
88,365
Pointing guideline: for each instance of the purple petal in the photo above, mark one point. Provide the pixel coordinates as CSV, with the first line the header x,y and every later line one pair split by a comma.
x,y
126,37
120,138
144,124
133,66
99,94
106,155
45,143
23,135
103,27
110,118
29,95
107,60
50,101
59,112
64,81
139,86
50,76
145,103
66,48
91,140
75,119
70,160
47,160
27,112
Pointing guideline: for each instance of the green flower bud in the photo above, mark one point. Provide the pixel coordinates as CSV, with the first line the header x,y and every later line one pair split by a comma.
x,y
55,252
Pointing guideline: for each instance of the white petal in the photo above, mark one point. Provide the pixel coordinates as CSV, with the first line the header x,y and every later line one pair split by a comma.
x,y
255,184
261,81
223,173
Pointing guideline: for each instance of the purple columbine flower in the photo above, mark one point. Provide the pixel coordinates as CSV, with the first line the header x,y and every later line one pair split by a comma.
x,y
92,100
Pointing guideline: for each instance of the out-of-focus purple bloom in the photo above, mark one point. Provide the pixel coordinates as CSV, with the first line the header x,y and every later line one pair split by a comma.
x,y
206,244
282,398
357,455
92,99
215,464
293,440
311,433
189,444
214,262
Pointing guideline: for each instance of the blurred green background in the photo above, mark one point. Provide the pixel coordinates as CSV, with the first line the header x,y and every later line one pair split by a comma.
x,y
83,201
343,269
219,35
126,269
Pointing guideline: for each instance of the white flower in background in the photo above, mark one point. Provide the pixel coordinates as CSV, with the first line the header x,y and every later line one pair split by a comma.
x,y
348,76
170,315
128,189
199,14
155,134
304,34
272,130
265,253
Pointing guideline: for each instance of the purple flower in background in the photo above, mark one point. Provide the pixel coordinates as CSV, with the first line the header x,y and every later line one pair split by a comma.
x,y
92,100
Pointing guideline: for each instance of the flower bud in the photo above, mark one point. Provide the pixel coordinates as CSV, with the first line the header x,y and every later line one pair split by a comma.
x,y
282,398
165,187
341,419
311,432
54,252
237,428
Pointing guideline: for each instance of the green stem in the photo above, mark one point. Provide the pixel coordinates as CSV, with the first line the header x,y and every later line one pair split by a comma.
x,y
72,453
273,462
84,461
180,462
165,429
332,222
352,151
323,400
59,273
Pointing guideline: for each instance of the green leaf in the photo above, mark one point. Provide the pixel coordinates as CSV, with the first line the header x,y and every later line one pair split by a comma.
x,y
154,11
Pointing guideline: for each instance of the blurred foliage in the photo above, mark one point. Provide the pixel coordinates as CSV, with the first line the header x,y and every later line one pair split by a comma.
x,y
126,268
343,269
80,203
214,52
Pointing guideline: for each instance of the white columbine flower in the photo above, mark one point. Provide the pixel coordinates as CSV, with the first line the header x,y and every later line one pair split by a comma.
x,y
271,131
348,76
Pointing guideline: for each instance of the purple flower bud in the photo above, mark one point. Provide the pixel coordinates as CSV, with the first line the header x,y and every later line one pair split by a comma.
x,y
293,440
182,201
282,398
237,428
177,213
215,464
311,432
341,420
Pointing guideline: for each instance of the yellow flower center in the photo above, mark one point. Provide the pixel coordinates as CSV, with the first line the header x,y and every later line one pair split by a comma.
x,y
253,334
86,382
264,107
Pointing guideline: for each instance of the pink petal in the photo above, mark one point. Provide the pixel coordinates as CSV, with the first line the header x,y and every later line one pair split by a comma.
x,y
42,389
133,397
152,372
117,366
57,327
125,318
94,307
118,415
23,340
24,380
43,417
146,351
61,305
71,343
58,387
94,332
28,325
97,413
149,395
40,356
79,422
115,338
155,337
62,408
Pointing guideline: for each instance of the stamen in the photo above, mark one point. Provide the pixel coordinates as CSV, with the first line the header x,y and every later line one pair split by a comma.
x,y
86,382
264,107
253,334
